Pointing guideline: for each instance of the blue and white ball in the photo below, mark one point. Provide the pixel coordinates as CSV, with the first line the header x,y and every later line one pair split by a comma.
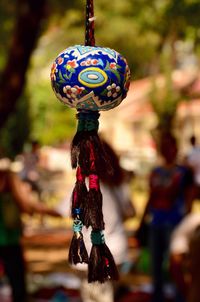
x,y
90,77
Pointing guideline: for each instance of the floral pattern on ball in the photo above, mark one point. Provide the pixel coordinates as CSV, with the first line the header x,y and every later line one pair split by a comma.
x,y
90,77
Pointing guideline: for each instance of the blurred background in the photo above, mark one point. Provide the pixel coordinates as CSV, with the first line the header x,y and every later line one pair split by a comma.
x,y
161,42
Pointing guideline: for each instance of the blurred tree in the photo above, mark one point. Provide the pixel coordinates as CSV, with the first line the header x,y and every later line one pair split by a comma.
x,y
164,100
7,15
25,34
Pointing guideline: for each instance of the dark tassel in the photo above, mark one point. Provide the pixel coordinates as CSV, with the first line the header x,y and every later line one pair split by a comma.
x,y
79,194
85,137
88,153
92,213
101,265
77,250
102,162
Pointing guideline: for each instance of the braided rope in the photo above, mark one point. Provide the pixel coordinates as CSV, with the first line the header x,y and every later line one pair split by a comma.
x,y
89,27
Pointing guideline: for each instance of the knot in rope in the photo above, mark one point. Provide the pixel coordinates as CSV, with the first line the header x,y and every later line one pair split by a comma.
x,y
87,125
88,121
77,225
97,237
94,182
77,211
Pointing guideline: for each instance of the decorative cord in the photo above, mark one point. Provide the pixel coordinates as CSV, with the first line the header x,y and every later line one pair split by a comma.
x,y
89,28
87,121
77,225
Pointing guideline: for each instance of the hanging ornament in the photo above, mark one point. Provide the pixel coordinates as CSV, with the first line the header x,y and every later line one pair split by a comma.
x,y
91,79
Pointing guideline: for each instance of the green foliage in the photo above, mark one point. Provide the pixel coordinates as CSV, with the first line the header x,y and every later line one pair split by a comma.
x,y
7,17
53,122
7,14
164,98
164,101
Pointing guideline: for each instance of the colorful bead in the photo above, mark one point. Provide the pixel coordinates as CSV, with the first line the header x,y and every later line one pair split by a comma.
x,y
90,77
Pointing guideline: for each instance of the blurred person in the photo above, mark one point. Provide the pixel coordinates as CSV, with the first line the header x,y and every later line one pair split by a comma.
x,y
15,198
170,198
117,207
31,161
184,256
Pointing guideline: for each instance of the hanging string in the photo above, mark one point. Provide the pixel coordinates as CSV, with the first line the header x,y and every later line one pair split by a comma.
x,y
90,159
89,27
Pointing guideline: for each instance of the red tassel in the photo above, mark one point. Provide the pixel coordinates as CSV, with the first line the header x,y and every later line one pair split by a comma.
x,y
79,194
92,214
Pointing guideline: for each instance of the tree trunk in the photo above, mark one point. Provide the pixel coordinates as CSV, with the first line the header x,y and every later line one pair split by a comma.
x,y
13,77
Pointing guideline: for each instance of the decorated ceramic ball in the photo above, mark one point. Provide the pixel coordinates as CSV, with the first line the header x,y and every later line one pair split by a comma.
x,y
90,77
